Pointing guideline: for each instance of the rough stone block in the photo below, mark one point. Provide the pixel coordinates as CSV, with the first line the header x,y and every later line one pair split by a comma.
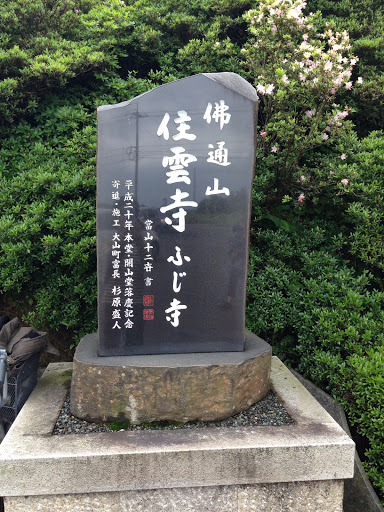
x,y
178,387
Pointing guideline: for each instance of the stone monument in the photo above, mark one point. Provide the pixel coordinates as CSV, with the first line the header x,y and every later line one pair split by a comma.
x,y
174,182
175,170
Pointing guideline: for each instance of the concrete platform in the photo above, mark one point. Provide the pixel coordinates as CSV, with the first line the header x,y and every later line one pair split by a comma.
x,y
298,467
359,494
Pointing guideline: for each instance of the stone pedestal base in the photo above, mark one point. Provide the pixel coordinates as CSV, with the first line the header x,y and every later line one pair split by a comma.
x,y
298,467
325,496
176,387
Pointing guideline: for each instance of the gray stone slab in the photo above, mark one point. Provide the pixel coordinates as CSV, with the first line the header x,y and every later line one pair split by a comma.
x,y
32,462
324,496
87,352
321,496
174,179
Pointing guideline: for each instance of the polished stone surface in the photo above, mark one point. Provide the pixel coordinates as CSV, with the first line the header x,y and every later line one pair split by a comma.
x,y
173,387
175,171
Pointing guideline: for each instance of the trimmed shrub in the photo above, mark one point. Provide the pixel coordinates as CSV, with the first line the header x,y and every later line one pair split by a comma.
x,y
324,319
316,258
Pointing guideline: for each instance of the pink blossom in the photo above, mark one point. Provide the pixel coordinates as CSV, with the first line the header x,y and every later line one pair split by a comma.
x,y
341,115
301,198
302,177
310,113
343,156
76,11
332,90
360,80
294,13
344,181
263,134
284,79
325,136
273,29
302,77
348,86
305,37
260,88
338,80
269,89
274,149
327,128
353,62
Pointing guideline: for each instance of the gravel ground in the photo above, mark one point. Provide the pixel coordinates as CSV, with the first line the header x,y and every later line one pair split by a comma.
x,y
268,411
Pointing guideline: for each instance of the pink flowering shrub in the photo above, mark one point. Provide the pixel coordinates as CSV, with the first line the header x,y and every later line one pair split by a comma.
x,y
315,290
297,71
301,198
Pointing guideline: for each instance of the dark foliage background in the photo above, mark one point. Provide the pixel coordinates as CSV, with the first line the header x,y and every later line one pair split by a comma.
x,y
315,288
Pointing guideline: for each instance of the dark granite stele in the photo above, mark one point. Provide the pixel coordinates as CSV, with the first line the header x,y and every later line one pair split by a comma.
x,y
174,178
172,387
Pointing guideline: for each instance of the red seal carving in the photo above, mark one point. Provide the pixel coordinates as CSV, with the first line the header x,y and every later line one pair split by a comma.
x,y
148,314
148,300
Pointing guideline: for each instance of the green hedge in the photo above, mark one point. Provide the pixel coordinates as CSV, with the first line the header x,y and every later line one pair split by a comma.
x,y
324,319
315,288
47,225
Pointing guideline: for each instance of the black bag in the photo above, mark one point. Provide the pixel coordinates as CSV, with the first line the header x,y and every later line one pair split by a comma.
x,y
17,344
21,342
